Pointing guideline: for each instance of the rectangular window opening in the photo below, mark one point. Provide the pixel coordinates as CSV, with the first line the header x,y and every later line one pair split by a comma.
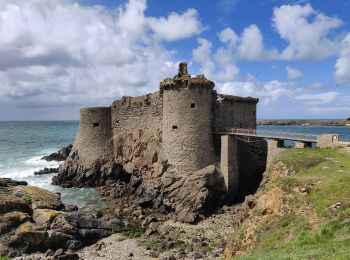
x,y
174,127
95,125
193,105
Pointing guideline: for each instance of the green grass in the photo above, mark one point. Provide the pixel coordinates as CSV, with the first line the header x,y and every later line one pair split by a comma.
x,y
4,258
128,233
154,243
288,236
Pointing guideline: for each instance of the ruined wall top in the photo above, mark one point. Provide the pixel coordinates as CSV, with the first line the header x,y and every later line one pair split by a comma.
x,y
184,80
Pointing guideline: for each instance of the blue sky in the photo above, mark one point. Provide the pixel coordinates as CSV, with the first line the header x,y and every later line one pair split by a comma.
x,y
59,55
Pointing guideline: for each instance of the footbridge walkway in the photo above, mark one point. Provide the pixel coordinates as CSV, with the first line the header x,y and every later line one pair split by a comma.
x,y
302,140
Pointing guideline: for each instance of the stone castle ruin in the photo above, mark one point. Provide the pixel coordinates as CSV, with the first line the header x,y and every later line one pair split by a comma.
x,y
164,147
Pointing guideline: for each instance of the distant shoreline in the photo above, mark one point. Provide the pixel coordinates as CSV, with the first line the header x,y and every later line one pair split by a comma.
x,y
306,122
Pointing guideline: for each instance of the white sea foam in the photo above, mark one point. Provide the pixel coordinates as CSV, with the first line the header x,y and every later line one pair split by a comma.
x,y
27,167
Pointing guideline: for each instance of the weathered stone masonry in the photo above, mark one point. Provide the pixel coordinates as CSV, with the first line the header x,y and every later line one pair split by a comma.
x,y
164,137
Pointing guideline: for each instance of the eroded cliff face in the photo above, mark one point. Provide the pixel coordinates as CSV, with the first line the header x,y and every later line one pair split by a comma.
x,y
134,165
76,172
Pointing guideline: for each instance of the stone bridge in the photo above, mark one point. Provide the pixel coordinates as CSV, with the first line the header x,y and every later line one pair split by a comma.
x,y
302,140
230,136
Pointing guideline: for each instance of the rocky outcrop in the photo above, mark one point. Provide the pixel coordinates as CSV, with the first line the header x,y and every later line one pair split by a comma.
x,y
33,219
46,171
78,173
139,173
193,196
61,155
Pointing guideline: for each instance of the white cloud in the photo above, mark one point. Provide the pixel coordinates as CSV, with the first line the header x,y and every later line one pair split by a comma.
x,y
306,32
203,55
340,108
342,66
176,26
269,93
251,45
60,53
320,98
218,65
228,36
293,73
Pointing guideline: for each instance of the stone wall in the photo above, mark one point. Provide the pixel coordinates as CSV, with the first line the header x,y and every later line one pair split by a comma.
x,y
232,111
187,127
134,113
93,134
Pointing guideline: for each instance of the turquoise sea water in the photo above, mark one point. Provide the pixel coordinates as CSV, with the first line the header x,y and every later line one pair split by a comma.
x,y
22,144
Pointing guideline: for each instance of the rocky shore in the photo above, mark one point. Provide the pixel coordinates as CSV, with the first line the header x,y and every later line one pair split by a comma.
x,y
35,220
149,214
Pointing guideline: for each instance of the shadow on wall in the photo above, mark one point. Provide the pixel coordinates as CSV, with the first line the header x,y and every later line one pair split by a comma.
x,y
252,158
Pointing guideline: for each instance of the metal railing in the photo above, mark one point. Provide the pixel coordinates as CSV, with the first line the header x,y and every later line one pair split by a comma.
x,y
269,134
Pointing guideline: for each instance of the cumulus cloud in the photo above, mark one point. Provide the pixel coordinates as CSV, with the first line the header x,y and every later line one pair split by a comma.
x,y
306,31
60,53
218,64
176,26
252,47
342,66
293,73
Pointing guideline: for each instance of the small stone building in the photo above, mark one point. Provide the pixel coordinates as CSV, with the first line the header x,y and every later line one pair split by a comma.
x,y
170,131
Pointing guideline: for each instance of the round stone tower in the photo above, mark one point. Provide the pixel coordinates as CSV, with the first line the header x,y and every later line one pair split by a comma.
x,y
188,121
94,132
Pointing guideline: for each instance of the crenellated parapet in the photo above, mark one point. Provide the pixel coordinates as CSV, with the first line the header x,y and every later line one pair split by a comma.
x,y
184,80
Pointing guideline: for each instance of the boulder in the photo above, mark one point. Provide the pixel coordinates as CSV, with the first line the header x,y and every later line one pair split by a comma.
x,y
61,155
29,234
45,216
46,171
11,201
12,220
40,198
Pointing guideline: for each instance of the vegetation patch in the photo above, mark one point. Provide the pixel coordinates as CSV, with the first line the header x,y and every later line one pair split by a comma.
x,y
128,232
314,219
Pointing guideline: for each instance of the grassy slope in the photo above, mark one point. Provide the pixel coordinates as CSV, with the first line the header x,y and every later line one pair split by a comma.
x,y
307,228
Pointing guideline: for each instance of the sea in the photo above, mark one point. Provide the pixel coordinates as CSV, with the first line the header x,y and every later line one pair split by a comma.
x,y
23,144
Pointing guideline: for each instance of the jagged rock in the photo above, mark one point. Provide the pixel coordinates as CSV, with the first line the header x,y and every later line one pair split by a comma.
x,y
6,182
33,218
30,234
70,208
191,195
61,155
58,252
49,252
46,171
12,220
